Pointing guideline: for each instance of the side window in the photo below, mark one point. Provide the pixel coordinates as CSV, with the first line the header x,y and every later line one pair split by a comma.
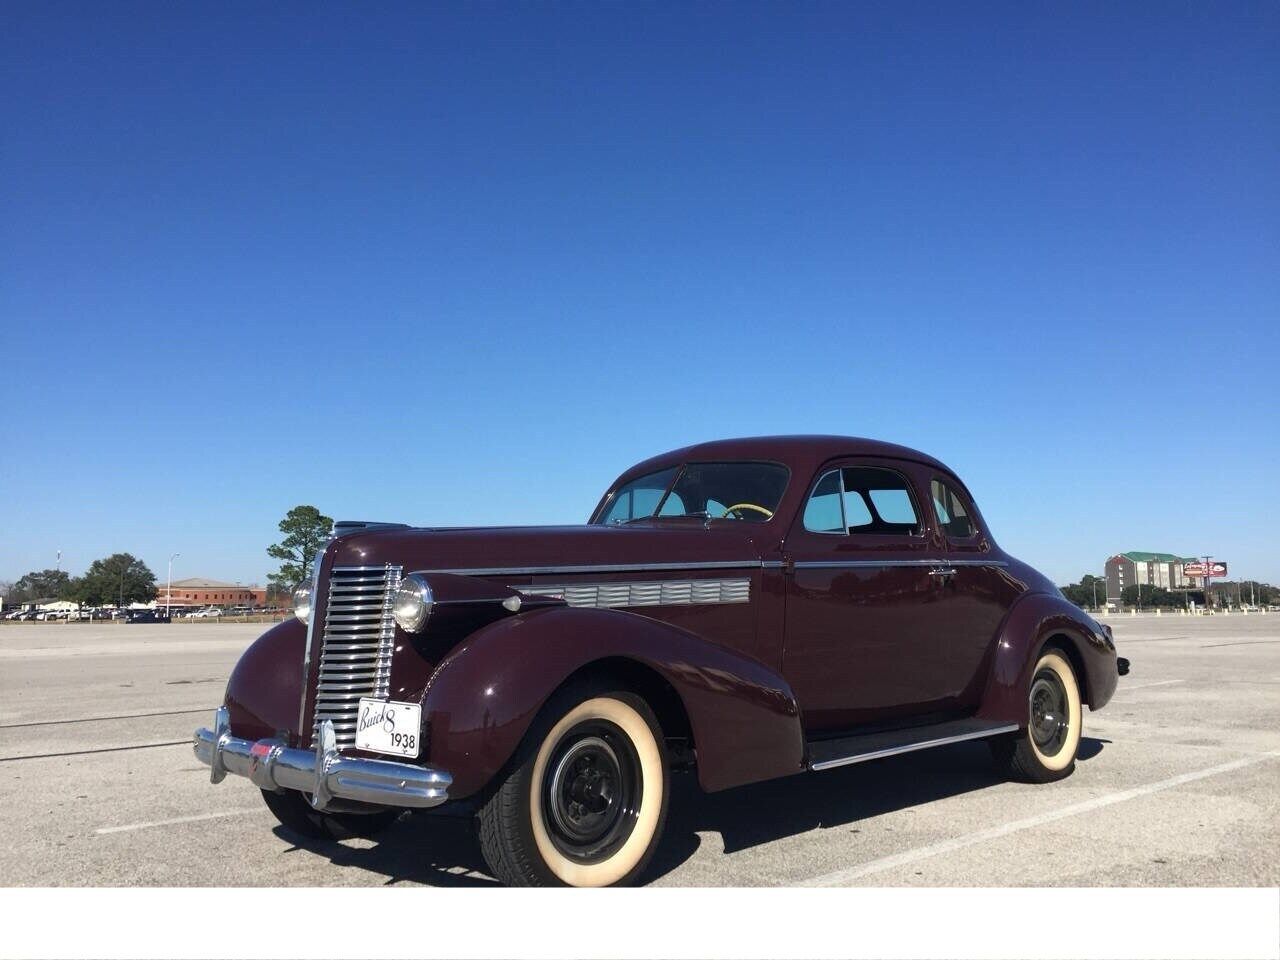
x,y
856,514
862,500
822,513
639,498
878,501
673,506
953,517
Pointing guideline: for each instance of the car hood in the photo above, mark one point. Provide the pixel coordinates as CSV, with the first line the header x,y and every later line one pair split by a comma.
x,y
496,551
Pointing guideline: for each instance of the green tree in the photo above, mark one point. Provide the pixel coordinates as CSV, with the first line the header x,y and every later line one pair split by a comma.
x,y
40,585
119,578
1146,595
1246,591
306,530
1089,590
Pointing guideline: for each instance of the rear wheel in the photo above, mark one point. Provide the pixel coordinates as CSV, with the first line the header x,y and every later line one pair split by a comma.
x,y
586,800
1046,750
294,811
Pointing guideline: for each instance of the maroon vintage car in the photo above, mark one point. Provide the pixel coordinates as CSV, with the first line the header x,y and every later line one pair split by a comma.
x,y
748,608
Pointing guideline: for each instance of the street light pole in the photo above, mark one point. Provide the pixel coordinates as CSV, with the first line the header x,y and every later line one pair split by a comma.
x,y
168,590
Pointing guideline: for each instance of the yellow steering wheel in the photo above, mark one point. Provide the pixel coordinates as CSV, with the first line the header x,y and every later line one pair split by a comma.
x,y
745,506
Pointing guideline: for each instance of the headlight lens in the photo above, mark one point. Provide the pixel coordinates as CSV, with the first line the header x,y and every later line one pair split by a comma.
x,y
413,603
302,602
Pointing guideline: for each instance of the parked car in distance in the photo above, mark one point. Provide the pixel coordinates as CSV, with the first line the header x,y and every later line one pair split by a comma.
x,y
747,609
208,612
148,616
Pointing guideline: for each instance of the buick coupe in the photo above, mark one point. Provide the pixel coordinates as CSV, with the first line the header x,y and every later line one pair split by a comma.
x,y
745,609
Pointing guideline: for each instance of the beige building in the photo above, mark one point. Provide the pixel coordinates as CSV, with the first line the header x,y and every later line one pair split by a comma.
x,y
1138,568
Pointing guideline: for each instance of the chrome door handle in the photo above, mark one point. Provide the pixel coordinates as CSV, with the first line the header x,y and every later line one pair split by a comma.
x,y
942,572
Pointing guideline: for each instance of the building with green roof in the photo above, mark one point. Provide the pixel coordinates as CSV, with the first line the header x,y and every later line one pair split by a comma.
x,y
1146,568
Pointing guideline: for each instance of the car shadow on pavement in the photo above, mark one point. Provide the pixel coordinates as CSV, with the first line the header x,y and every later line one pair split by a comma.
x,y
418,848
443,851
764,812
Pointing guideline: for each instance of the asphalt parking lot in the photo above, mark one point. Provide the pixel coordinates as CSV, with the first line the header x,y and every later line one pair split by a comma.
x,y
1178,784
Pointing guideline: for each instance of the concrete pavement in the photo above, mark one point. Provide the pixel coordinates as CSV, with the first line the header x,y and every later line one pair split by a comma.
x,y
1178,784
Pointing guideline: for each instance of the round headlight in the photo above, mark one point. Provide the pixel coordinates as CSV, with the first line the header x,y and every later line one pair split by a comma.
x,y
412,604
302,602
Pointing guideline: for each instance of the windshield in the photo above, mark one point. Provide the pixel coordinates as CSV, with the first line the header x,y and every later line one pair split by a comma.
x,y
718,491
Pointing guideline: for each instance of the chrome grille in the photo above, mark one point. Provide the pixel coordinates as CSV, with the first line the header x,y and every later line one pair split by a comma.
x,y
355,650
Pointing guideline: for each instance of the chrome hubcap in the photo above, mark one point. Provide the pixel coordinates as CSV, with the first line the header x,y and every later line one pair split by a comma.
x,y
592,792
1050,713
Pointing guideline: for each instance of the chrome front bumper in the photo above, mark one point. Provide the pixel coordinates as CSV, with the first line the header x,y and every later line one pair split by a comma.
x,y
324,773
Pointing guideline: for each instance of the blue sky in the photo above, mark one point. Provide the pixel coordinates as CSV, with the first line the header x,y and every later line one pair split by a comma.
x,y
464,264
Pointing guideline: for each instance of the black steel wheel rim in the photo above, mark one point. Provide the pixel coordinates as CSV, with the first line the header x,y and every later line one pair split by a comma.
x,y
1050,712
592,789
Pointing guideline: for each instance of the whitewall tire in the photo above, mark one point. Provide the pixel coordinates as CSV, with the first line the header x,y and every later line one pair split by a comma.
x,y
585,803
1046,749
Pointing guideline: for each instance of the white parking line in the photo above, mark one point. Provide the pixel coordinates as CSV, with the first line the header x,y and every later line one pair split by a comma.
x,y
1142,686
842,877
192,819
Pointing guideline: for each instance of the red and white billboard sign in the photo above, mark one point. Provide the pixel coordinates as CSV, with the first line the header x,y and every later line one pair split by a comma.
x,y
1214,568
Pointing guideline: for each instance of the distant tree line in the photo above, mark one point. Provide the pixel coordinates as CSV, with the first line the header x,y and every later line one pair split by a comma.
x,y
1224,592
1147,595
1087,592
120,578
123,578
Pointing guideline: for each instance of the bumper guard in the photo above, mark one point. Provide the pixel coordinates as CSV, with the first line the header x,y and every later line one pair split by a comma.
x,y
324,773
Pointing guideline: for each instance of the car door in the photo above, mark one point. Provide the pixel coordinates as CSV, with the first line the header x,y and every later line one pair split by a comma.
x,y
976,591
862,632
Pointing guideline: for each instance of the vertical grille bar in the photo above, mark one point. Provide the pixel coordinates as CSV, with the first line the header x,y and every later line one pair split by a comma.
x,y
355,649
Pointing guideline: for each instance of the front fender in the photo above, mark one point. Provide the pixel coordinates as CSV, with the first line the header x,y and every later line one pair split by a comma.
x,y
486,693
266,685
1034,619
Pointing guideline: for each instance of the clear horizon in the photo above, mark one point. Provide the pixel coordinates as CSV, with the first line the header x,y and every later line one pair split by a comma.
x,y
459,265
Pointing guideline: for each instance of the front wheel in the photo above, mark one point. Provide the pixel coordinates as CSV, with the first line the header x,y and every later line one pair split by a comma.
x,y
1046,750
586,800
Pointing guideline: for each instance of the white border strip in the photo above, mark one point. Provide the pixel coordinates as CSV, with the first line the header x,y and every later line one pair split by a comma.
x,y
632,924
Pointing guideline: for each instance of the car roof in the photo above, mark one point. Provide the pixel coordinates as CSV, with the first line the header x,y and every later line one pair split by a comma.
x,y
801,452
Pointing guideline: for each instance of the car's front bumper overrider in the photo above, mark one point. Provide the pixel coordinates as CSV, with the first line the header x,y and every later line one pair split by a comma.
x,y
323,773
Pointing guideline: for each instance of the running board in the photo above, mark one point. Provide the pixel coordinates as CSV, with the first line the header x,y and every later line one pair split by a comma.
x,y
824,754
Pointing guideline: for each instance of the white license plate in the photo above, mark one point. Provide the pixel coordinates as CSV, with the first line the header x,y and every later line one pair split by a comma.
x,y
385,726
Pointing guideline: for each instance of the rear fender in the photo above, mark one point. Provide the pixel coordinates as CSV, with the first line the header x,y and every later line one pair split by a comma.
x,y
1033,621
483,697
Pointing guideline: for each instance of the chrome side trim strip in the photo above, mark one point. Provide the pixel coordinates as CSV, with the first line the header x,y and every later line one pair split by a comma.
x,y
599,568
645,593
825,564
911,747
698,565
